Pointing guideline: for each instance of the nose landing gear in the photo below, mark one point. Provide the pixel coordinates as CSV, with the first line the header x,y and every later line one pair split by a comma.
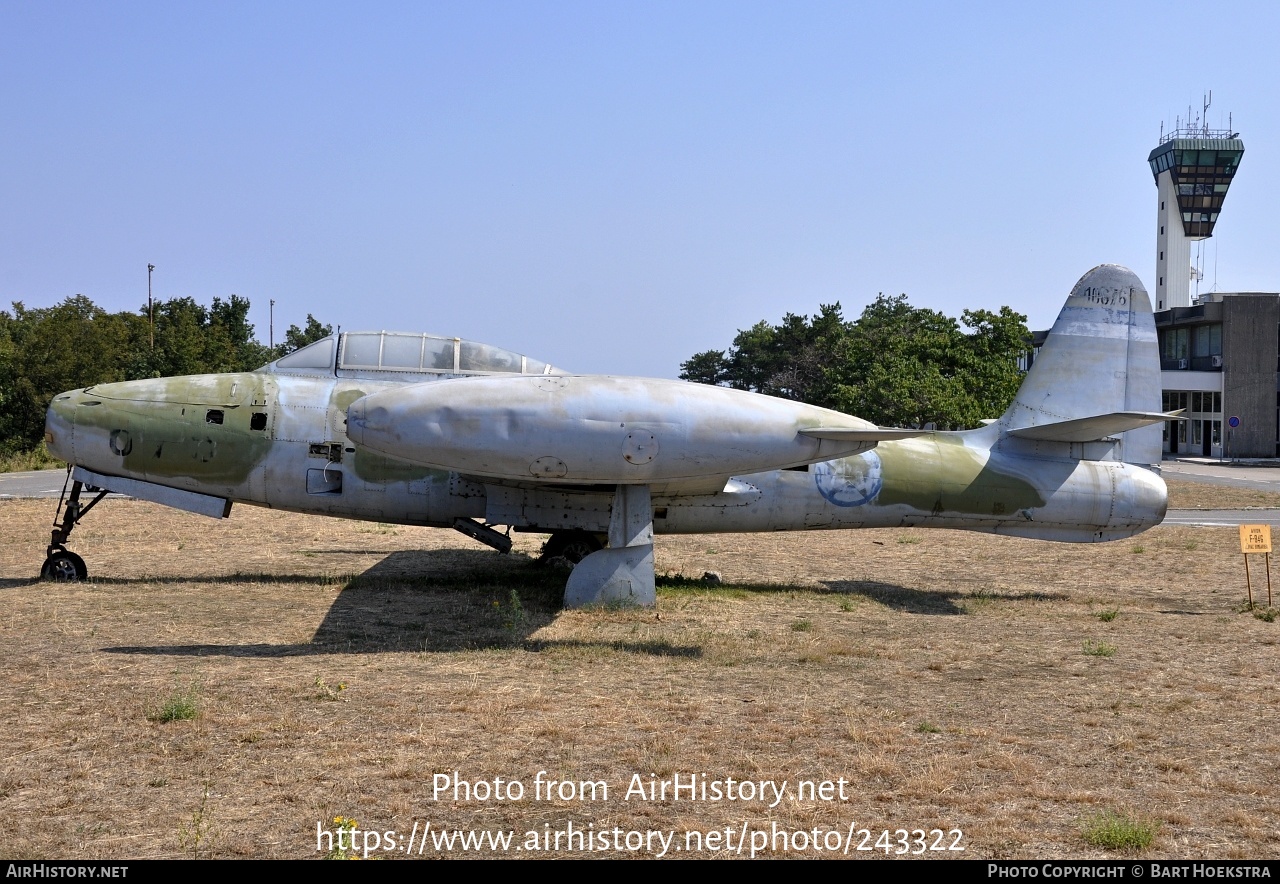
x,y
60,563
62,566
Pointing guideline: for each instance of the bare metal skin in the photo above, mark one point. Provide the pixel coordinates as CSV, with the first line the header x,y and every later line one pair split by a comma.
x,y
419,430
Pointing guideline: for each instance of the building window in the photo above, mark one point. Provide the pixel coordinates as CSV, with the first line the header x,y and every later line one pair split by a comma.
x,y
1207,340
1175,344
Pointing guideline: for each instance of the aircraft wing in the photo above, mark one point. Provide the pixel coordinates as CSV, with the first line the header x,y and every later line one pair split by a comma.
x,y
692,487
874,434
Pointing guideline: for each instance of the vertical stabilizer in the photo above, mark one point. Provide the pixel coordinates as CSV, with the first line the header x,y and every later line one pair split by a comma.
x,y
1100,358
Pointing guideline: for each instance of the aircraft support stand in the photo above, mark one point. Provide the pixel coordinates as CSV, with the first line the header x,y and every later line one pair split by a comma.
x,y
622,574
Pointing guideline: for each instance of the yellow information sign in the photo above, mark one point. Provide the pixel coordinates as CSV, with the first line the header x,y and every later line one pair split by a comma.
x,y
1255,538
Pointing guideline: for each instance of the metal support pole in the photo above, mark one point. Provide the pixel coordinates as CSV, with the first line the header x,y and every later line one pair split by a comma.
x,y
151,313
1268,580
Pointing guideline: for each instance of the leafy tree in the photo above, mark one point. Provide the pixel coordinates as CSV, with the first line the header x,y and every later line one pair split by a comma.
x,y
76,344
53,349
994,345
788,361
708,367
297,338
896,365
231,344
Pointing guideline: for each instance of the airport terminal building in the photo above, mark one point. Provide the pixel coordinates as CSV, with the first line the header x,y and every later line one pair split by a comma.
x,y
1219,352
1219,360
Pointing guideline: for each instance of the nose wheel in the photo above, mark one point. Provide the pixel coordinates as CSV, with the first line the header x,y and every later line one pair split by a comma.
x,y
61,564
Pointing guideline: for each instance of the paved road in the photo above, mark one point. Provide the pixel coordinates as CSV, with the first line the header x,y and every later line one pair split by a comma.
x,y
1223,518
1260,477
34,483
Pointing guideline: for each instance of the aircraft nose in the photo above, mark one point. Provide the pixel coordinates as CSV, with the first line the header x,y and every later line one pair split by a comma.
x,y
59,424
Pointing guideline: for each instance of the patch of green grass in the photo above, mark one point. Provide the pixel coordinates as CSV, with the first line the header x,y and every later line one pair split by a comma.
x,y
1107,615
1099,649
1139,549
802,626
197,835
907,538
343,838
925,727
1118,831
182,705
325,692
513,617
1267,615
21,461
848,604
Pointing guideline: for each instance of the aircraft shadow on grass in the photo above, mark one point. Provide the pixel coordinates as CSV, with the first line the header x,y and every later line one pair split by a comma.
x,y
920,601
435,601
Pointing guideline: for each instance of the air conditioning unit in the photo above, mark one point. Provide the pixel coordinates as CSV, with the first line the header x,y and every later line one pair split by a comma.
x,y
1182,363
1217,361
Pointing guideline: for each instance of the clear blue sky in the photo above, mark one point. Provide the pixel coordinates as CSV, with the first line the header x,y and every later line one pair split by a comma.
x,y
612,187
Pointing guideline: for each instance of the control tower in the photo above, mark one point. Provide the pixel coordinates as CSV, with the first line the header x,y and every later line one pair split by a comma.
x,y
1193,167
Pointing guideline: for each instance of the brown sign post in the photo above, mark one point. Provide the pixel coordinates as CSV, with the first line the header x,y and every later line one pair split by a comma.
x,y
1256,539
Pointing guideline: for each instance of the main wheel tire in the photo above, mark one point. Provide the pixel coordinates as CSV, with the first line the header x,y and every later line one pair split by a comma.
x,y
572,546
64,566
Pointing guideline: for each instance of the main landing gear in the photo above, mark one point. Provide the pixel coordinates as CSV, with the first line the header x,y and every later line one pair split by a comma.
x,y
60,563
572,546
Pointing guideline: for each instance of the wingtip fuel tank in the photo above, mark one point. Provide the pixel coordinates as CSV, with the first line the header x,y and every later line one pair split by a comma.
x,y
594,430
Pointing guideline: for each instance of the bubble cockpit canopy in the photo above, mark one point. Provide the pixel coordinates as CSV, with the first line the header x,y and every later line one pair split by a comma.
x,y
377,354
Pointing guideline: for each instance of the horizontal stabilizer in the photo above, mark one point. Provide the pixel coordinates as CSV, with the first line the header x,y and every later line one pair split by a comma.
x,y
875,434
1096,428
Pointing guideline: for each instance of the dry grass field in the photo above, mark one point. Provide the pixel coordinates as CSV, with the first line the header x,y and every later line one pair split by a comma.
x,y
220,688
1187,495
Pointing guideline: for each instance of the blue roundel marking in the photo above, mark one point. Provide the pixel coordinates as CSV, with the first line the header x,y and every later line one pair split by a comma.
x,y
851,481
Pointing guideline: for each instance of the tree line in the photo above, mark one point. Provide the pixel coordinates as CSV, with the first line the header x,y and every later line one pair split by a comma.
x,y
46,350
896,365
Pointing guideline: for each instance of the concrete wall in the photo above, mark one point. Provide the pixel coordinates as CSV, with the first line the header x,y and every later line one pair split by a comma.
x,y
1249,345
1172,243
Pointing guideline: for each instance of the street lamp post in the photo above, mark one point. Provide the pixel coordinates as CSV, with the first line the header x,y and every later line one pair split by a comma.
x,y
151,313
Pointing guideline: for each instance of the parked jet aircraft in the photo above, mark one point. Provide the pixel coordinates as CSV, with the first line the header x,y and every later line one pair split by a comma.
x,y
423,430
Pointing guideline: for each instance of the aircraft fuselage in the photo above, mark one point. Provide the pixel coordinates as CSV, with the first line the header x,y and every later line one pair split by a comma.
x,y
281,441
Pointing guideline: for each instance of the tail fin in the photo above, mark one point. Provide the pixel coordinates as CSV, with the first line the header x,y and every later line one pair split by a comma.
x,y
1099,368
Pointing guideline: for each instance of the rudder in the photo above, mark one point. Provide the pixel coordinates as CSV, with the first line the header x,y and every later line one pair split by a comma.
x,y
1100,358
